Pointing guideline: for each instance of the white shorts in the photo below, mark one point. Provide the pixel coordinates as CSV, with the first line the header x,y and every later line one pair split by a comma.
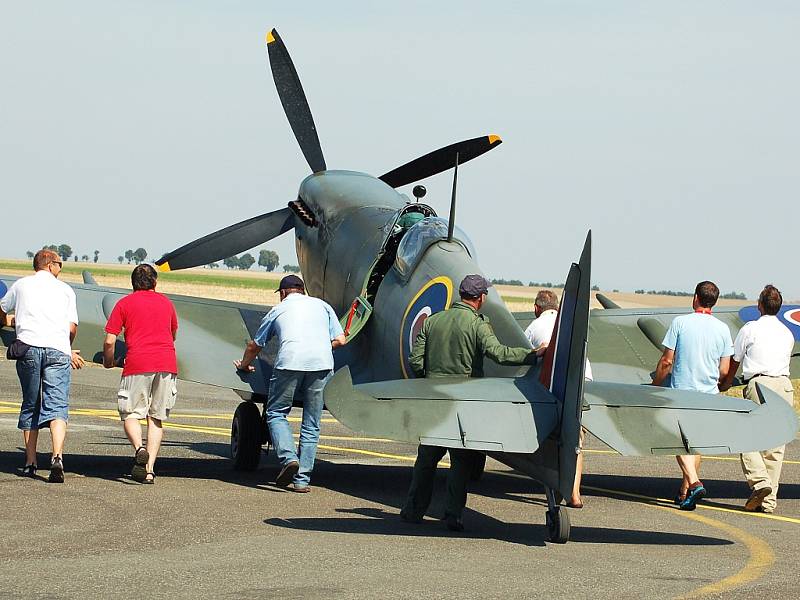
x,y
146,394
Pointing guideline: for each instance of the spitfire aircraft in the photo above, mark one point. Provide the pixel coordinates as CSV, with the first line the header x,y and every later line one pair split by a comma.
x,y
385,263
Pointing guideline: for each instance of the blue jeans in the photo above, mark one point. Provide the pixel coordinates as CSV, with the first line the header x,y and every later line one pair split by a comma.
x,y
44,375
283,386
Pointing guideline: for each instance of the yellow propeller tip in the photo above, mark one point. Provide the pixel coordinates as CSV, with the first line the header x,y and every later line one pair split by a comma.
x,y
494,138
270,37
164,268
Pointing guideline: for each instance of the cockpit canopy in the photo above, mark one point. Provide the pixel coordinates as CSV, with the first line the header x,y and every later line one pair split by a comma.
x,y
420,237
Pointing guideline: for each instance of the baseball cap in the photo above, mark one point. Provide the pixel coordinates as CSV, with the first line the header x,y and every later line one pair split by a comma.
x,y
291,282
473,286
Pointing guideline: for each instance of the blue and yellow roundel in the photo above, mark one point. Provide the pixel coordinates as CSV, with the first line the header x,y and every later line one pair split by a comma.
x,y
434,297
3,289
788,315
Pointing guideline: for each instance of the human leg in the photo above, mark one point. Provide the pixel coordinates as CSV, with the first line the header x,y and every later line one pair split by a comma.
x,y
461,462
56,378
576,501
692,489
133,431
421,488
29,372
282,386
311,391
155,434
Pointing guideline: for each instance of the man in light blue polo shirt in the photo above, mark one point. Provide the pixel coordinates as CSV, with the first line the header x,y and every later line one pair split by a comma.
x,y
697,351
307,330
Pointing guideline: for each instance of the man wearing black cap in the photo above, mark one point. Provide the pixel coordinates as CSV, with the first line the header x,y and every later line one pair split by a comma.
x,y
453,343
307,331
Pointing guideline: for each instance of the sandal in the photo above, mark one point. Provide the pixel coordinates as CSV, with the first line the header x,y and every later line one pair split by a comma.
x,y
139,470
150,478
28,470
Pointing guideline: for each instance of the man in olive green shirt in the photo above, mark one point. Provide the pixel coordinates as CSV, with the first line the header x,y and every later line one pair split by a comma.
x,y
452,343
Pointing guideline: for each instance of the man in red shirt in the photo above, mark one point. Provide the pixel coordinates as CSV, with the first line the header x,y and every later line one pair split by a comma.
x,y
148,385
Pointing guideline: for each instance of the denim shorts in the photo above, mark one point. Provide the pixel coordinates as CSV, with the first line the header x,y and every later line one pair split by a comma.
x,y
44,374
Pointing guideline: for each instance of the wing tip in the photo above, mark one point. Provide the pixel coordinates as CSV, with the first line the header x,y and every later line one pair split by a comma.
x,y
163,267
270,37
494,139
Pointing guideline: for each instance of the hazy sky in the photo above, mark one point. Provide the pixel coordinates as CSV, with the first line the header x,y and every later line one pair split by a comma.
x,y
670,129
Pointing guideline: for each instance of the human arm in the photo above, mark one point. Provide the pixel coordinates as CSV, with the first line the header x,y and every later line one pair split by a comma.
x,y
7,304
500,353
664,366
339,340
250,352
417,358
726,381
76,360
108,350
6,320
725,369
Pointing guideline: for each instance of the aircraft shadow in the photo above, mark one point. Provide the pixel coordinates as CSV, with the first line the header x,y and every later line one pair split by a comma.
x,y
481,527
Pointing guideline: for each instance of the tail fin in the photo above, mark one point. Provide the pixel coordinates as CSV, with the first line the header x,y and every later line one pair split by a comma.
x,y
565,363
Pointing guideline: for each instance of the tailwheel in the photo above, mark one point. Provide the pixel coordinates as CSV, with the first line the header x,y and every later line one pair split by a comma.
x,y
246,437
557,525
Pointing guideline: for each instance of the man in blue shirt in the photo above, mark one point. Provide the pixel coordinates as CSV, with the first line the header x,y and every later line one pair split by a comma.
x,y
697,352
307,330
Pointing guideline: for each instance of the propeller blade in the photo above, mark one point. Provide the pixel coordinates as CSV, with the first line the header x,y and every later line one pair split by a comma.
x,y
440,160
229,241
295,105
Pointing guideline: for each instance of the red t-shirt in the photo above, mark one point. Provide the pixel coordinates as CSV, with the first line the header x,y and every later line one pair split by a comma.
x,y
149,321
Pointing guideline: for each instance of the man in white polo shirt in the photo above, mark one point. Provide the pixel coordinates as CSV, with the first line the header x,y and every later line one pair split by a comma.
x,y
46,320
764,349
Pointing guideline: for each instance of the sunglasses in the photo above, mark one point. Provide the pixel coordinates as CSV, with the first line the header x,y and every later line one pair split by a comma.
x,y
56,262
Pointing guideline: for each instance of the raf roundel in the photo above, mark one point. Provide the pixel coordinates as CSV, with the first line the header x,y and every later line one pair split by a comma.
x,y
791,317
435,296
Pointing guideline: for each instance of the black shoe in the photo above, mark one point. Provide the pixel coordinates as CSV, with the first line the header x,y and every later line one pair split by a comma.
x,y
56,470
28,471
454,524
287,473
409,517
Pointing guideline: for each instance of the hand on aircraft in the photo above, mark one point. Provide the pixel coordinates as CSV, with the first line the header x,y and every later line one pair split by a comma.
x,y
243,368
77,360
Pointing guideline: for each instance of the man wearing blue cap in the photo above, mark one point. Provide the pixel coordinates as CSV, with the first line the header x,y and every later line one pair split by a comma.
x,y
452,343
307,330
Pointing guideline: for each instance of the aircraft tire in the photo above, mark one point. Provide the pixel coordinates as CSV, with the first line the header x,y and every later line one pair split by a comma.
x,y
246,436
557,520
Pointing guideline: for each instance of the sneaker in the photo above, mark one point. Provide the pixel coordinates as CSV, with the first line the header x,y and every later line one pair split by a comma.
x,y
56,470
301,489
756,498
287,473
139,470
695,492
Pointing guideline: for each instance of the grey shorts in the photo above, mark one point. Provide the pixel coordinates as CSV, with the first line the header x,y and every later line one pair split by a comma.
x,y
146,394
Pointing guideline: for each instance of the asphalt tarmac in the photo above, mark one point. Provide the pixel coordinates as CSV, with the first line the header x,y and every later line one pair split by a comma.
x,y
205,530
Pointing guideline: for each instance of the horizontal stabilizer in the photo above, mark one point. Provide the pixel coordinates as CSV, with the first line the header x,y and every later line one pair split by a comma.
x,y
489,414
638,420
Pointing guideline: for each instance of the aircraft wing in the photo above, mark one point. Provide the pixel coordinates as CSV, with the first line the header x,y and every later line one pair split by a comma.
x,y
211,335
625,343
649,420
489,414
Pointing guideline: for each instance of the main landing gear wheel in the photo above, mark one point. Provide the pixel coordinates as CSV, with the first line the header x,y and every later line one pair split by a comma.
x,y
556,518
246,437
557,525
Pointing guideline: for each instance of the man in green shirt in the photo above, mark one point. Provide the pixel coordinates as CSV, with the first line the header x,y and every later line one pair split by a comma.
x,y
452,343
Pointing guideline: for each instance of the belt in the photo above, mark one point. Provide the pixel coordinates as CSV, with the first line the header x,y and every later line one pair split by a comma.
x,y
746,381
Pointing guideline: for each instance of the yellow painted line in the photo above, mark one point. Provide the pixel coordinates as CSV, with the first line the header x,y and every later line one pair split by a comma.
x,y
761,555
733,458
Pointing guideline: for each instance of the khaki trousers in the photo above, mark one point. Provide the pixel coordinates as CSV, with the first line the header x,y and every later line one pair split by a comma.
x,y
764,468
